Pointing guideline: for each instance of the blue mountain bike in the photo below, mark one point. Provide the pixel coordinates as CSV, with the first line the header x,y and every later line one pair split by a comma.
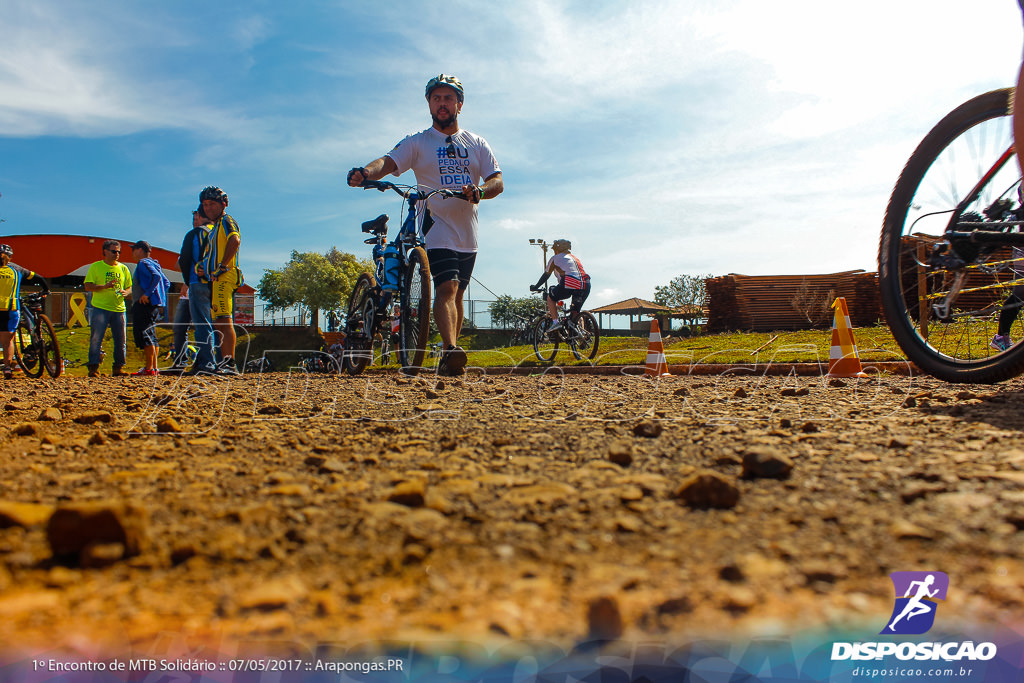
x,y
402,278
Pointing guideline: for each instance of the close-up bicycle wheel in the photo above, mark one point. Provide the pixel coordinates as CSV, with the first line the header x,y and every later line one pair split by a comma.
x,y
50,348
358,330
545,344
944,294
414,323
589,338
27,349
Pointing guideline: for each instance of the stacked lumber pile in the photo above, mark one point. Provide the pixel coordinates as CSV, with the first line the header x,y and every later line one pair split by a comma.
x,y
789,302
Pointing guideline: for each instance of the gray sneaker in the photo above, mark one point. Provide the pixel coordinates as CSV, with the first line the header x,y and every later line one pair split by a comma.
x,y
1001,342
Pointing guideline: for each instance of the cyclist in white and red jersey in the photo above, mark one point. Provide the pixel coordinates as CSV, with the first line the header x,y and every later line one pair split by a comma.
x,y
573,282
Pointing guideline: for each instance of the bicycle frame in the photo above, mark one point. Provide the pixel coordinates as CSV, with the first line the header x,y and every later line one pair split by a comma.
x,y
407,239
42,351
407,277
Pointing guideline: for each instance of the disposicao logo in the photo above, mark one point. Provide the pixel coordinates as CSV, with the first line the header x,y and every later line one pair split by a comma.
x,y
916,596
913,614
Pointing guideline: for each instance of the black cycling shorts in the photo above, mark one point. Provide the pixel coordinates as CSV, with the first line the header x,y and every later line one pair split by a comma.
x,y
145,318
9,320
559,292
447,265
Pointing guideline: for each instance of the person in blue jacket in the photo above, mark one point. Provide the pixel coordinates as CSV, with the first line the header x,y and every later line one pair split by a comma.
x,y
150,291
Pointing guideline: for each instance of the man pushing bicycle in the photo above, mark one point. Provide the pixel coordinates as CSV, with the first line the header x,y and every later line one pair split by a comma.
x,y
447,157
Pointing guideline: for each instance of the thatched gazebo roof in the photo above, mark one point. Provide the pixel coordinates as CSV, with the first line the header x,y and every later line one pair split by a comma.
x,y
636,307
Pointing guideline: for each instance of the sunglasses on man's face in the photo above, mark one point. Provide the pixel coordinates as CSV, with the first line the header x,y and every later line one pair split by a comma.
x,y
114,251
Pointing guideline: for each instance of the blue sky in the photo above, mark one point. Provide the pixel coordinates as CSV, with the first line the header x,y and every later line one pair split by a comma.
x,y
661,137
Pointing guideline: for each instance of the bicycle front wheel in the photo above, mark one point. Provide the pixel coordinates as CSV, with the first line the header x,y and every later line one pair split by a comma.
x,y
945,313
27,348
358,344
545,344
585,345
414,322
50,348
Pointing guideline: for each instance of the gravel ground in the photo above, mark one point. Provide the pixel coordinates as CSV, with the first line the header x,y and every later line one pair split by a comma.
x,y
282,512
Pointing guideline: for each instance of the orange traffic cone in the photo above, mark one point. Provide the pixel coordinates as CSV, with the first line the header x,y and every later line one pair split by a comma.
x,y
843,359
656,364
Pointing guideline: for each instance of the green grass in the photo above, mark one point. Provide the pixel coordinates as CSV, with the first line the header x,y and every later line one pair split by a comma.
x,y
805,346
873,343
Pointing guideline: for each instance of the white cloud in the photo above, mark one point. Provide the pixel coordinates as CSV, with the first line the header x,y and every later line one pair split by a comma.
x,y
661,137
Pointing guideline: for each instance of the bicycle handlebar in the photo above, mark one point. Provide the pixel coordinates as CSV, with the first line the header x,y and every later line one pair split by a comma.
x,y
408,190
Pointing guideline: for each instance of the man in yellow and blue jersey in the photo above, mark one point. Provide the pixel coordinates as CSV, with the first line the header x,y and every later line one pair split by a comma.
x,y
219,266
11,277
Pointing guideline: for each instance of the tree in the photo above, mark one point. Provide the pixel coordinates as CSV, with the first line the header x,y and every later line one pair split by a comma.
x,y
509,312
683,290
814,304
316,281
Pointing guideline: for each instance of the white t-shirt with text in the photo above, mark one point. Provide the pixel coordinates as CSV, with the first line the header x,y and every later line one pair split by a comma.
x,y
427,155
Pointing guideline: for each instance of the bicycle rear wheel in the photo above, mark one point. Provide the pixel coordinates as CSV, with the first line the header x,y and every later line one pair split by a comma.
x,y
585,345
545,344
414,322
27,348
358,344
50,348
943,313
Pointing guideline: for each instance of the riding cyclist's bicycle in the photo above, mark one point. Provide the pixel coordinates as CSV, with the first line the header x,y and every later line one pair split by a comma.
x,y
402,277
951,251
35,344
582,337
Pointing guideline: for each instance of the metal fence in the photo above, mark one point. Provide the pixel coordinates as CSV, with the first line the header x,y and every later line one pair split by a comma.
x,y
477,313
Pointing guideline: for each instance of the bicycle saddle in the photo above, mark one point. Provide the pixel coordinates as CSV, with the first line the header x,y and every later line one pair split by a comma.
x,y
378,226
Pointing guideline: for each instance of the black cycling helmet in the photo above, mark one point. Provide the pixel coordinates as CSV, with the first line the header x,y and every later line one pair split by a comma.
x,y
6,249
444,79
214,193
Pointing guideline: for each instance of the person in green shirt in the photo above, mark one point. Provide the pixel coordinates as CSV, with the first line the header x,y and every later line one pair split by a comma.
x,y
110,281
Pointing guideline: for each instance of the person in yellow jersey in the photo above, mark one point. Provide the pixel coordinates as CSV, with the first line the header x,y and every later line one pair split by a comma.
x,y
110,281
219,266
11,277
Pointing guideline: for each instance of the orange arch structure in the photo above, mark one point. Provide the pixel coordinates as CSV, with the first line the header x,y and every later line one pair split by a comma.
x,y
54,256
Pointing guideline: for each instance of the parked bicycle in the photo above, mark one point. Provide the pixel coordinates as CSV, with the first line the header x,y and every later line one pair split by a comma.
x,y
402,276
318,362
522,331
35,344
951,251
582,337
261,364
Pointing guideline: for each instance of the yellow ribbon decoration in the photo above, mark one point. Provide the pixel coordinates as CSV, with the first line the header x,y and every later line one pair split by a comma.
x,y
76,305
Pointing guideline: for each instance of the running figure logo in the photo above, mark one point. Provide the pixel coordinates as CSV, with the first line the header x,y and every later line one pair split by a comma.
x,y
916,593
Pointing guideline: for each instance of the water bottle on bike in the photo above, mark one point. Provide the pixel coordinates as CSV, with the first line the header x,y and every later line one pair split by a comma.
x,y
392,268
